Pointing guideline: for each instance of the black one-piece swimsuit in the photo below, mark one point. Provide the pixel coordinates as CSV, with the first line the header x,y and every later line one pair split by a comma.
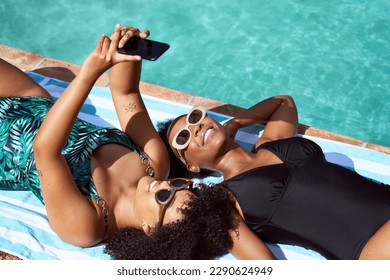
x,y
309,202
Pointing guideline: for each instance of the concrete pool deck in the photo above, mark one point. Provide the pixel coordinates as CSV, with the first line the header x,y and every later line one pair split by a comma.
x,y
66,71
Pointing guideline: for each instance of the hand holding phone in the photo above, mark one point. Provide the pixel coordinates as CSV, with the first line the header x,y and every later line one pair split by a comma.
x,y
145,48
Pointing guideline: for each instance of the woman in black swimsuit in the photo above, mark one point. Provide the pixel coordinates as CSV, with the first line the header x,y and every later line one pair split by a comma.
x,y
285,190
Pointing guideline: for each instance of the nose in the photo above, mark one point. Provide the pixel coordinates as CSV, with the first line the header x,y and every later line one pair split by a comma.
x,y
195,129
165,185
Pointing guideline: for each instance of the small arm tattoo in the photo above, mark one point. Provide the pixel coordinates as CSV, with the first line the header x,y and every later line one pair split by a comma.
x,y
40,173
130,108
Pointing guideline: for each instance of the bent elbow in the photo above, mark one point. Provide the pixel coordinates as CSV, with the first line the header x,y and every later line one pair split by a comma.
x,y
45,145
38,145
78,236
286,98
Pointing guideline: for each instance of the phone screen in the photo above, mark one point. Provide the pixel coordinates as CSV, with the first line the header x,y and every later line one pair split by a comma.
x,y
147,49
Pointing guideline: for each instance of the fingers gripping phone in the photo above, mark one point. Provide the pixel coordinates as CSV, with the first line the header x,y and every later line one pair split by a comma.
x,y
145,48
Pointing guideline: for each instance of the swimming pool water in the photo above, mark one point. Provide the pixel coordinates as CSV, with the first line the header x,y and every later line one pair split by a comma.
x,y
332,56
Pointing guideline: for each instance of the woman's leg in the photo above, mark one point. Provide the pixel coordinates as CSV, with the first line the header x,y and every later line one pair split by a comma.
x,y
378,247
13,82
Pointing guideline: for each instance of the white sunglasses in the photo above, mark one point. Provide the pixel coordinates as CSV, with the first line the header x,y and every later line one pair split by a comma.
x,y
182,138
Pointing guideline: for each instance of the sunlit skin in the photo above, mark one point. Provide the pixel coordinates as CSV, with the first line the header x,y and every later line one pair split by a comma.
x,y
215,151
208,144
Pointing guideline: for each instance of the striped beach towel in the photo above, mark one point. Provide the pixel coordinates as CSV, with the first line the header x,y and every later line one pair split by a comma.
x,y
24,228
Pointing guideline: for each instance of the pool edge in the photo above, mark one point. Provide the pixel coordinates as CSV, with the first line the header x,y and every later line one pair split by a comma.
x,y
66,71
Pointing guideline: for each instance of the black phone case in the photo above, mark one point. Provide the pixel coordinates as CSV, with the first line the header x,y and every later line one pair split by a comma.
x,y
147,49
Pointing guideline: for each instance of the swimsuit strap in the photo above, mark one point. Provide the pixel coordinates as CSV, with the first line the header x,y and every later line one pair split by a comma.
x,y
102,204
146,161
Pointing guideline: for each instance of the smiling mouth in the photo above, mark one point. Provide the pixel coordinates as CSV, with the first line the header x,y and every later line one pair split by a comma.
x,y
207,134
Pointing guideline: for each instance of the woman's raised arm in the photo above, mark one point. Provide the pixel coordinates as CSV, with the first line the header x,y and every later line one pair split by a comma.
x,y
70,214
132,113
279,114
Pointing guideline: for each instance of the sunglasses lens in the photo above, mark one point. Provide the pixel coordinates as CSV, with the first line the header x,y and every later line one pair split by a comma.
x,y
164,195
178,183
183,137
195,116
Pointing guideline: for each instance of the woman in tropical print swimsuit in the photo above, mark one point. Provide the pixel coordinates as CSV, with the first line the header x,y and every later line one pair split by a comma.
x,y
100,183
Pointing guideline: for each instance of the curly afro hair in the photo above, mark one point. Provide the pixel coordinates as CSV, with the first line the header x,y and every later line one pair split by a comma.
x,y
203,233
178,169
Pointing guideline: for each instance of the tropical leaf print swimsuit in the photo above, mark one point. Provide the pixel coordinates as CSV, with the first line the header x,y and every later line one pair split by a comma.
x,y
20,119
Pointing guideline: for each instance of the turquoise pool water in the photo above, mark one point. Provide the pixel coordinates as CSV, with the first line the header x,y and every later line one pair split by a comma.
x,y
332,56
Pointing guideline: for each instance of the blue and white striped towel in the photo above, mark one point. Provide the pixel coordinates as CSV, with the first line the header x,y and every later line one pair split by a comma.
x,y
24,229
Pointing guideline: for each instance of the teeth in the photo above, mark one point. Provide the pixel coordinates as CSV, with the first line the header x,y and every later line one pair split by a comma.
x,y
152,185
207,134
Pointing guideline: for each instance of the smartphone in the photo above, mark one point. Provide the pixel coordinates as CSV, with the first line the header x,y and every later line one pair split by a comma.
x,y
145,48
